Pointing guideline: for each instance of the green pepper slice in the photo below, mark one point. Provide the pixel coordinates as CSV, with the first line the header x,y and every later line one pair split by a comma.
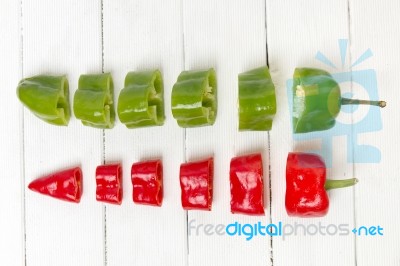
x,y
93,101
47,97
317,100
257,101
141,103
194,98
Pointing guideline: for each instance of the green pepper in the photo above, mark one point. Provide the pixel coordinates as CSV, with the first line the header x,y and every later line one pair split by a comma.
x,y
317,100
194,98
257,102
140,102
47,97
93,101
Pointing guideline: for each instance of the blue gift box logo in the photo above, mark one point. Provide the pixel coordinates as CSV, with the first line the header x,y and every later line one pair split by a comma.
x,y
370,122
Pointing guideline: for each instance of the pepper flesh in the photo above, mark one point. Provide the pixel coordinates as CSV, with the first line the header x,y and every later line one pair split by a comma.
x,y
247,189
140,102
147,181
317,100
47,97
194,98
306,185
93,101
109,183
64,185
196,180
257,102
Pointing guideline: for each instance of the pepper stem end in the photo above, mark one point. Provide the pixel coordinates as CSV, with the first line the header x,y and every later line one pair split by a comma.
x,y
346,101
332,184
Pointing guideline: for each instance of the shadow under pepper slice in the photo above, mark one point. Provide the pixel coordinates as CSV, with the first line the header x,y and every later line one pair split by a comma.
x,y
247,188
64,185
140,103
317,100
109,183
194,98
93,101
47,97
147,180
306,185
196,180
257,102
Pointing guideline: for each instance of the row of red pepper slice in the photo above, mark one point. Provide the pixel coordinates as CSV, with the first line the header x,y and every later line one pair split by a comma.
x,y
306,184
196,181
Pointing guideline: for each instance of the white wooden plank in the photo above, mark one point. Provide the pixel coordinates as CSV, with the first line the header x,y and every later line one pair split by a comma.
x,y
295,32
62,38
11,179
229,36
145,35
375,26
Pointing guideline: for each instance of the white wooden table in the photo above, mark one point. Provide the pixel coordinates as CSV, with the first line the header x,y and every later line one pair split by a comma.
x,y
74,37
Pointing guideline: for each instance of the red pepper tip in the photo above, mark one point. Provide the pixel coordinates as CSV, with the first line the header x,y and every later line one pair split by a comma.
x,y
64,185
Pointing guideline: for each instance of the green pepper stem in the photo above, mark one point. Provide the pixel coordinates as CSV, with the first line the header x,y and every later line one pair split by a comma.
x,y
356,101
331,184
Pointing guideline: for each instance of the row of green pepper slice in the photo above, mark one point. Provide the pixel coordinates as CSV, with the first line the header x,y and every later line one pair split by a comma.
x,y
316,99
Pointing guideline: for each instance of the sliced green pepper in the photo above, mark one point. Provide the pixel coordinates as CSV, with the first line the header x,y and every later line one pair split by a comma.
x,y
194,98
93,101
141,103
257,102
47,97
317,100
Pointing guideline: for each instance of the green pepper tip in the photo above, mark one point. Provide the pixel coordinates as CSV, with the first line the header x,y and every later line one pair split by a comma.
x,y
47,97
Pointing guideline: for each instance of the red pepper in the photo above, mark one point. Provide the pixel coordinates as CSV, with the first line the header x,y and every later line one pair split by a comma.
x,y
247,189
64,185
147,180
306,185
109,183
196,184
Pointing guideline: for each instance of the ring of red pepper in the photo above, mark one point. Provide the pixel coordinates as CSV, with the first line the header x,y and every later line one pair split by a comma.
x,y
147,182
196,180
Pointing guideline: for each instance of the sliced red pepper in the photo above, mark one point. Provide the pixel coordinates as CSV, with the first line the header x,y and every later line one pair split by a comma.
x,y
147,180
306,185
196,184
109,183
247,189
64,185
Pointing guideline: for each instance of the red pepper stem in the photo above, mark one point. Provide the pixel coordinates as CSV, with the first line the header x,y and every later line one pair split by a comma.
x,y
356,101
331,184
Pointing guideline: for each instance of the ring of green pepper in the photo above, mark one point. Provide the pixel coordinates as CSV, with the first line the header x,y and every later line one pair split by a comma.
x,y
93,101
141,103
194,98
257,101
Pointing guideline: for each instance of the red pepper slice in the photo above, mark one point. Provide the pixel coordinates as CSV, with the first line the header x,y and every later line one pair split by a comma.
x,y
306,185
64,185
247,189
196,184
147,180
109,183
